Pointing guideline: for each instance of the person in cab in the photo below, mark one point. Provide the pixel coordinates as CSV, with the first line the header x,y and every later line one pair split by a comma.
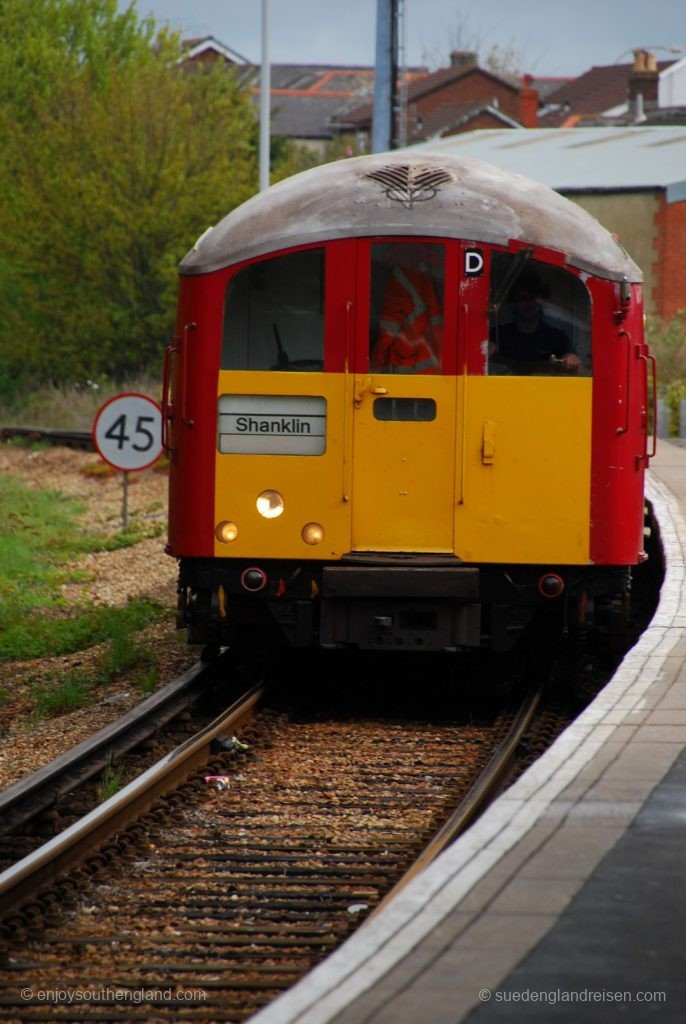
x,y
530,343
410,330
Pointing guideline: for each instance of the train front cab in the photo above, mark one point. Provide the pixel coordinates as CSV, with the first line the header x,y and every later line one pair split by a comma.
x,y
325,499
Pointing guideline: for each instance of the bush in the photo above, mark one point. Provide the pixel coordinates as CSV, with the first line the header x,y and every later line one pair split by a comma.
x,y
667,341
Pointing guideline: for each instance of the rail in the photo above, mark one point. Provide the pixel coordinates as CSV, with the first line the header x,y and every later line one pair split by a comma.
x,y
45,865
39,791
478,797
81,439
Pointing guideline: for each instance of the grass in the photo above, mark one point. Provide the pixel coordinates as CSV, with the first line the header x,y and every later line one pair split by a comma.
x,y
65,694
39,536
109,784
78,688
71,408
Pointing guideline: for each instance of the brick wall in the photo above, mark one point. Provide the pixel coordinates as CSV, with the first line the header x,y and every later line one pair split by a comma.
x,y
471,88
669,290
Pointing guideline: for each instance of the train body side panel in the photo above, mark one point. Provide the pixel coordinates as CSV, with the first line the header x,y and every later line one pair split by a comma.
x,y
192,422
620,428
524,492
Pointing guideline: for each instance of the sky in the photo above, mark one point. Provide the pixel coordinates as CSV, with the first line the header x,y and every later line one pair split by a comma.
x,y
549,37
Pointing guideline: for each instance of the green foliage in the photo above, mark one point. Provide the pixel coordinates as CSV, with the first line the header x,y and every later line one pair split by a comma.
x,y
148,680
114,161
289,157
47,634
667,342
39,535
71,406
60,696
109,784
122,652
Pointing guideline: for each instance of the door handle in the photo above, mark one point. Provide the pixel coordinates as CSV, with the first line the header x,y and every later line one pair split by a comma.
x,y
365,385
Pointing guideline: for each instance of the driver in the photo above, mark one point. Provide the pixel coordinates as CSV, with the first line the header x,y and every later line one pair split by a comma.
x,y
530,339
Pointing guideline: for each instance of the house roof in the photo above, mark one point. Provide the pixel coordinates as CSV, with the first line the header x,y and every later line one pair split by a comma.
x,y
582,159
305,98
451,116
430,83
322,79
305,117
545,85
599,89
193,48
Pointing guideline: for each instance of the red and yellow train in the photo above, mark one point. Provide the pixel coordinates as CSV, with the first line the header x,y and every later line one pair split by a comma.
x,y
407,409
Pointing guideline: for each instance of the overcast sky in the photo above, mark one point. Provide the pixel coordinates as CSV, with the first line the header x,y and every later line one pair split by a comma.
x,y
551,37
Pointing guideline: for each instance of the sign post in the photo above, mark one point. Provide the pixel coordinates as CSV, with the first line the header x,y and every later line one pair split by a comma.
x,y
127,434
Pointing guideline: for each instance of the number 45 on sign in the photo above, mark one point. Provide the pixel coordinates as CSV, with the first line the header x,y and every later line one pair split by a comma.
x,y
127,433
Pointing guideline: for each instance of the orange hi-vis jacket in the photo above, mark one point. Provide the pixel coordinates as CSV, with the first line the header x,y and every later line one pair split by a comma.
x,y
410,336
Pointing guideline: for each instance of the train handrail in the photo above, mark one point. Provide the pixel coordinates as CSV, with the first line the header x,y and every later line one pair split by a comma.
x,y
167,405
184,374
625,428
648,357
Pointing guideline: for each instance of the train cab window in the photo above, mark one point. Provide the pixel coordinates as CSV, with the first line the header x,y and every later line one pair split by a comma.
x,y
540,319
274,314
406,308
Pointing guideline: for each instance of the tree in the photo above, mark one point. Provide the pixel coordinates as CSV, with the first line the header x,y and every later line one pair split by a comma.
x,y
116,161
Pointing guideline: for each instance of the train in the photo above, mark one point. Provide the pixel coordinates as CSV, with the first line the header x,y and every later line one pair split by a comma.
x,y
408,408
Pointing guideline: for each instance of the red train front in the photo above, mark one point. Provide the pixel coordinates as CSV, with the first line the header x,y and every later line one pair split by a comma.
x,y
407,410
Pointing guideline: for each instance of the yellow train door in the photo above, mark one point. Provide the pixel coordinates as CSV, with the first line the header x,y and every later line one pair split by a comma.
x,y
404,399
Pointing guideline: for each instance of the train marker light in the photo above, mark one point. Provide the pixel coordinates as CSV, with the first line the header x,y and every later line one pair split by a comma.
x,y
551,585
270,504
253,579
226,531
312,533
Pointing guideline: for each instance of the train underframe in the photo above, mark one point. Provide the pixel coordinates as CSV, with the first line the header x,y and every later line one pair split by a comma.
x,y
398,602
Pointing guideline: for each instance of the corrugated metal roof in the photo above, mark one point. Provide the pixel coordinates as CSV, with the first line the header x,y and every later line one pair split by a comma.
x,y
580,159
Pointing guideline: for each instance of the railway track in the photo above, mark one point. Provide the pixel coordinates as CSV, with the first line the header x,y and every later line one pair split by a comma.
x,y
51,798
220,898
80,439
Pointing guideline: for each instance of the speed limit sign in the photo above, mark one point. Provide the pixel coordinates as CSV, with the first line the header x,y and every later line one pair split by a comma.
x,y
127,432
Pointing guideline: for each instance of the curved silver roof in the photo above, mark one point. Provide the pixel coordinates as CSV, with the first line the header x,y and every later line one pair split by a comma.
x,y
418,193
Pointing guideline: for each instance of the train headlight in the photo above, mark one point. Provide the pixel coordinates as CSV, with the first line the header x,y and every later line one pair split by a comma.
x,y
270,504
312,533
226,531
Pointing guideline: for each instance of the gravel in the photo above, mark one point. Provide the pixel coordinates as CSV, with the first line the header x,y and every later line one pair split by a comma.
x,y
113,577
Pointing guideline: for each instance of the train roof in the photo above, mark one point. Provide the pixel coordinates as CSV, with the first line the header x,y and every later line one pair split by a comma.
x,y
422,193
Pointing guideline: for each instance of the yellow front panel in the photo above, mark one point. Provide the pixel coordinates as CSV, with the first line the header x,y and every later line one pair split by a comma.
x,y
313,486
502,474
524,491
404,471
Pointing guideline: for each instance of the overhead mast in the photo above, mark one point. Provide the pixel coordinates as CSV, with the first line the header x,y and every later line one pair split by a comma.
x,y
386,76
265,99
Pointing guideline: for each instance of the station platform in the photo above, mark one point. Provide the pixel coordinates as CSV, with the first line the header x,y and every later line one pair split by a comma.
x,y
566,901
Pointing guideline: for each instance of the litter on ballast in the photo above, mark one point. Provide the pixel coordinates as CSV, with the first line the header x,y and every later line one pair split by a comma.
x,y
220,782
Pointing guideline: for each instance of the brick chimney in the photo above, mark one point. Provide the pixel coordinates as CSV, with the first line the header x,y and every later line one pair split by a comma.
x,y
463,59
528,103
643,81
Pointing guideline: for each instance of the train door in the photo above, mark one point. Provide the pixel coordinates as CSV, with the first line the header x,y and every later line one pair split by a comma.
x,y
524,494
404,397
283,428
